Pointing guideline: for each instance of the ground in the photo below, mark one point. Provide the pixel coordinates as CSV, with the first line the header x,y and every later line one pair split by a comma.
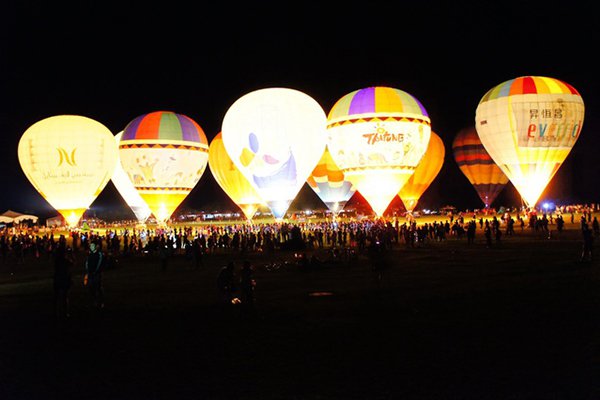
x,y
447,320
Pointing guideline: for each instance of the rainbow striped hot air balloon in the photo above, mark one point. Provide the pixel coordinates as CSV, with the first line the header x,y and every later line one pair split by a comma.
x,y
377,136
328,182
528,125
477,165
164,154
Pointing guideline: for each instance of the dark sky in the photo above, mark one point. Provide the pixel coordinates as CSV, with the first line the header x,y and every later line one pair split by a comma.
x,y
115,63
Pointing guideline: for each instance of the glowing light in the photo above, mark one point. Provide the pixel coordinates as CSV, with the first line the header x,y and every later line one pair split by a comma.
x,y
275,137
231,179
164,154
377,136
328,182
127,190
427,170
529,125
69,159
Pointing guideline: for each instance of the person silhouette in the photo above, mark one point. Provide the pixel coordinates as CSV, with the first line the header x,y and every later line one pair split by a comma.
x,y
64,262
247,285
226,283
93,270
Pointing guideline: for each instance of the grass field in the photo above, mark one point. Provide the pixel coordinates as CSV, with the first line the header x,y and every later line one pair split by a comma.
x,y
520,320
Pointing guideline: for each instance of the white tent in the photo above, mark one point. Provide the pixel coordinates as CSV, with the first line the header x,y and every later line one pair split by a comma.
x,y
15,217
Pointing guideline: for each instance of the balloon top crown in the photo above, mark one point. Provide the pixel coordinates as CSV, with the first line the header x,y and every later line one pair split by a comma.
x,y
164,125
529,85
377,100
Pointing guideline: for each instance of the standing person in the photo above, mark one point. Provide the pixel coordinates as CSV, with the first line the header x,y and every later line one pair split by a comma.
x,y
247,284
471,228
163,253
588,241
487,231
197,253
596,226
226,283
93,271
64,262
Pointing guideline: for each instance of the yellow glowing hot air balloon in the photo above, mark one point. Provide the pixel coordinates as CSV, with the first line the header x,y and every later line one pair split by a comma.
x,y
275,136
377,136
528,125
231,180
126,189
428,168
69,159
328,182
164,154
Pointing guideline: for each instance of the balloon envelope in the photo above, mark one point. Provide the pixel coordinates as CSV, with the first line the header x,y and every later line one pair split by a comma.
x,y
126,189
528,125
231,180
428,168
275,137
164,154
377,136
477,165
328,182
69,159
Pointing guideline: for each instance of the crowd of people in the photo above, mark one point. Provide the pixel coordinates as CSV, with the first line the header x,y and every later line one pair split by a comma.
x,y
102,250
196,241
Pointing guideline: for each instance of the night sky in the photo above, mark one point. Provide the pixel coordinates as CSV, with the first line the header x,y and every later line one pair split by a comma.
x,y
113,64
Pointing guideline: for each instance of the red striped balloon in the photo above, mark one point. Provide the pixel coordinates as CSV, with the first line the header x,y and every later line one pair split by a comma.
x,y
477,165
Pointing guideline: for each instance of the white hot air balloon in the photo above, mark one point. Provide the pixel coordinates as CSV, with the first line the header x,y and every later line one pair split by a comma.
x,y
128,191
276,137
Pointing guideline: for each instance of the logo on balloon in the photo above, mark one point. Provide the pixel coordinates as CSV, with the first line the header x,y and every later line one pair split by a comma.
x,y
382,135
65,157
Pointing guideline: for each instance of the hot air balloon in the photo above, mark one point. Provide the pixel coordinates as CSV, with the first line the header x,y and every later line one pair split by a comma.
x,y
275,136
164,154
126,189
528,125
377,136
477,165
231,180
327,181
428,168
69,159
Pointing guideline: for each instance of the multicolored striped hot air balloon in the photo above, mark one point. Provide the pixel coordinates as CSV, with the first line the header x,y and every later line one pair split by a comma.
x,y
164,154
428,168
528,125
328,182
377,136
231,179
477,165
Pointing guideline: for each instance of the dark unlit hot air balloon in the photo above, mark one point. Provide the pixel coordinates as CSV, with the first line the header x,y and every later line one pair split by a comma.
x,y
477,165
